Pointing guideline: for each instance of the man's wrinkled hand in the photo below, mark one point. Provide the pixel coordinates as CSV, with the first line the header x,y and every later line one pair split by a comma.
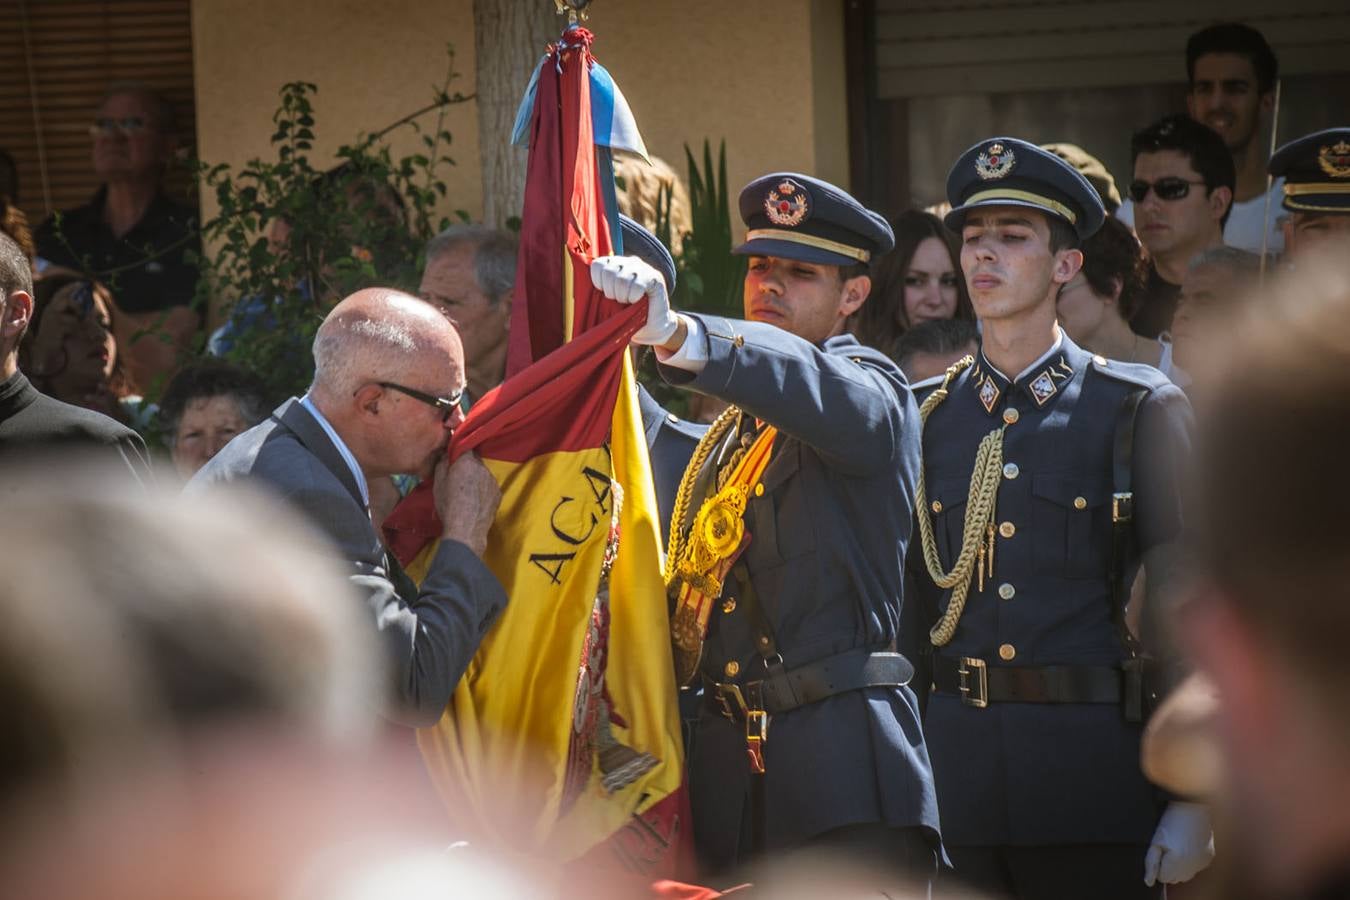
x,y
467,497
628,279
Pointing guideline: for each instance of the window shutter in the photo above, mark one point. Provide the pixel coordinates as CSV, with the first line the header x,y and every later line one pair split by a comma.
x,y
56,59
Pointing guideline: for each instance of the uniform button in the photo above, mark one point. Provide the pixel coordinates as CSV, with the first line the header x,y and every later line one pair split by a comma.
x,y
764,640
1079,503
1011,415
937,506
733,668
1007,591
1007,529
739,341
729,605
1005,653
1099,360
1010,471
672,418
759,490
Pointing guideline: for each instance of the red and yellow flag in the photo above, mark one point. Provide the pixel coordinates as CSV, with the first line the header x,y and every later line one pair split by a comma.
x,y
563,737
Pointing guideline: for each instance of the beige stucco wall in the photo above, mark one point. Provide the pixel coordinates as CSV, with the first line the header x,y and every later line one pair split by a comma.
x,y
766,75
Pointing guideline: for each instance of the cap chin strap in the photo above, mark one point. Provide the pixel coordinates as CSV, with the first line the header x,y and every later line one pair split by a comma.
x,y
808,240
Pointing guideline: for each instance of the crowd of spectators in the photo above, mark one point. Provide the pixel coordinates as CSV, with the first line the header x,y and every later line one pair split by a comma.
x,y
91,324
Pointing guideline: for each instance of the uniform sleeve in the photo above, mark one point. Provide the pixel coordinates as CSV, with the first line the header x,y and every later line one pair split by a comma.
x,y
1162,454
431,635
847,408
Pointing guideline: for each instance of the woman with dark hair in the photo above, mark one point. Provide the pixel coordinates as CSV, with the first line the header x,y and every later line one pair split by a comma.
x,y
69,351
919,281
204,407
1096,307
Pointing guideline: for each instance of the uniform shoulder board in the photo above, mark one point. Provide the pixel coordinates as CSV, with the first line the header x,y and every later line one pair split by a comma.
x,y
1131,373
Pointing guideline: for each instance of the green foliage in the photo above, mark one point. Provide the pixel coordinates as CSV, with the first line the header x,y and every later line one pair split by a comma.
x,y
710,277
291,239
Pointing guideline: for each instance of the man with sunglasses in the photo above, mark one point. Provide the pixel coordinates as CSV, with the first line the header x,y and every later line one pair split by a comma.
x,y
1182,191
130,235
389,373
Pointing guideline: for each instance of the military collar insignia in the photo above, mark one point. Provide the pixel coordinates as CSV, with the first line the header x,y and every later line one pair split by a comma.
x,y
989,386
1334,159
788,204
995,162
1046,384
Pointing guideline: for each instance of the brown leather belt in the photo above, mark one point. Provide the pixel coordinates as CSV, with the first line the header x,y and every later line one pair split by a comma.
x,y
978,684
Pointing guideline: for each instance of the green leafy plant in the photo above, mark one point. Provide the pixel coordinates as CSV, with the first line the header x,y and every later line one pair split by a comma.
x,y
290,238
710,277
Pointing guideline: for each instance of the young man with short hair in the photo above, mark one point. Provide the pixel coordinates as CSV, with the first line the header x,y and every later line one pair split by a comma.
x,y
787,559
1231,72
1182,190
1030,514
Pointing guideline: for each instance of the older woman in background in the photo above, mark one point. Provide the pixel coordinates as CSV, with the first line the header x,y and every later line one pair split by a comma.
x,y
1096,306
919,281
204,407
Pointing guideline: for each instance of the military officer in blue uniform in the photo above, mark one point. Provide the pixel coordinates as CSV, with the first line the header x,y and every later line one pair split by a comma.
x,y
1048,473
1316,173
793,521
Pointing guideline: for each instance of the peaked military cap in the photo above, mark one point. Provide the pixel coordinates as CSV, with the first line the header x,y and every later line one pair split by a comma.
x,y
639,242
1316,171
1004,171
797,217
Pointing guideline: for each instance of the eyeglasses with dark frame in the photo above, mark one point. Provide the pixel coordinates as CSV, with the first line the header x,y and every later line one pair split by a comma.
x,y
128,125
1167,188
447,405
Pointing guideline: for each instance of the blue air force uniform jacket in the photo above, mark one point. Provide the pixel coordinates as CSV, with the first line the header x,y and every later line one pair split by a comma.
x,y
1042,773
825,560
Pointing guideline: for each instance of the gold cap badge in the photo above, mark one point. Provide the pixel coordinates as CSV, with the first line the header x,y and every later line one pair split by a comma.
x,y
1335,159
788,204
995,162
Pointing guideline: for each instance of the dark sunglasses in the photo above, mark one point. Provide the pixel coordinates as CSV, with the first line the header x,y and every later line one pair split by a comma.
x,y
447,405
1169,188
128,125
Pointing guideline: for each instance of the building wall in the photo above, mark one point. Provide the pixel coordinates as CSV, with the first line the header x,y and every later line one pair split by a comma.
x,y
766,75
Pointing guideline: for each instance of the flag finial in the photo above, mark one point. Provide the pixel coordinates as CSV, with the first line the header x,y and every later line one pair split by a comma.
x,y
575,9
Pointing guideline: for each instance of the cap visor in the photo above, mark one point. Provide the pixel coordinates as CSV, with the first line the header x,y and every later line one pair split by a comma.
x,y
791,250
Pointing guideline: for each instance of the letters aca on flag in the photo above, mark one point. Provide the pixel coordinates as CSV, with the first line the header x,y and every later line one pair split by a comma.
x,y
563,737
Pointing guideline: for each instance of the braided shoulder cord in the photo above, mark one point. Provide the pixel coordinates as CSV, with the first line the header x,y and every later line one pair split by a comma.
x,y
976,538
702,451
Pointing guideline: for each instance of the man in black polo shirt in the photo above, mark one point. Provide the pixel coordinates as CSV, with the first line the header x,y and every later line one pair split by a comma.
x,y
130,235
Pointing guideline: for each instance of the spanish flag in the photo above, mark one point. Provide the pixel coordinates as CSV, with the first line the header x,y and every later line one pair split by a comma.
x,y
563,737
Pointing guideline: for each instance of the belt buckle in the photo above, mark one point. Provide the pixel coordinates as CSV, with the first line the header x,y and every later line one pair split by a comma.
x,y
727,709
973,693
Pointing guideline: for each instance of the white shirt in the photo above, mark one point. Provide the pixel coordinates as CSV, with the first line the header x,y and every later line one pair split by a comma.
x,y
341,448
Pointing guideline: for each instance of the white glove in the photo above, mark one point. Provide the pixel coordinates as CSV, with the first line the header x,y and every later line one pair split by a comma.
x,y
1182,845
628,279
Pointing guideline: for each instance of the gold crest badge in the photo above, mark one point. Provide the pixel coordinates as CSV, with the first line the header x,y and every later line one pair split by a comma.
x,y
1335,159
995,162
787,205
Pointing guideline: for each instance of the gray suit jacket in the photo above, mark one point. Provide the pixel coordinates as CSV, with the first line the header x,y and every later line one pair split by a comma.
x,y
430,635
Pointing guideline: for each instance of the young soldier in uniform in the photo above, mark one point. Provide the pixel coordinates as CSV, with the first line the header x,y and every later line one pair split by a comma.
x,y
1316,173
787,558
1032,450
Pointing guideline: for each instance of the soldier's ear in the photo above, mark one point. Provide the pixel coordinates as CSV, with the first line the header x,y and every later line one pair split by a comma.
x,y
1067,265
17,313
855,292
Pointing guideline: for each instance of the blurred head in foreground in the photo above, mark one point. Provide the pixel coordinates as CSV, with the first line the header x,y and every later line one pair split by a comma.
x,y
1270,624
